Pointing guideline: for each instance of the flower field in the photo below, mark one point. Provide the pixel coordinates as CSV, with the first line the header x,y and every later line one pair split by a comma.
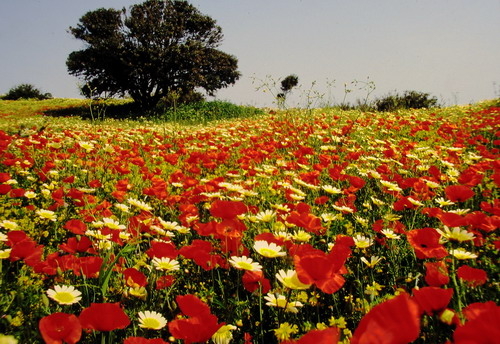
x,y
303,227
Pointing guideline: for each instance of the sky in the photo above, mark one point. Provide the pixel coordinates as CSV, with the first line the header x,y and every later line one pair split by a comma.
x,y
448,48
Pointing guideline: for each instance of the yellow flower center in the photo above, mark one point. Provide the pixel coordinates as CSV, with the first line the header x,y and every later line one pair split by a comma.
x,y
64,297
151,323
266,252
245,266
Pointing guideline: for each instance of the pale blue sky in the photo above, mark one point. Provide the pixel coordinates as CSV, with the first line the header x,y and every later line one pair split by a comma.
x,y
449,48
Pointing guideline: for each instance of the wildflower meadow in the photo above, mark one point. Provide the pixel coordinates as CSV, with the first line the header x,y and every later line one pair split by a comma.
x,y
294,226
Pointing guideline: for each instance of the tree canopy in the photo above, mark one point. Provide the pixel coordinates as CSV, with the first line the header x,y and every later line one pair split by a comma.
x,y
158,47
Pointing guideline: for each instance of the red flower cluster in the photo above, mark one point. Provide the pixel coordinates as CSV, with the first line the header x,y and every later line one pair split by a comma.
x,y
200,325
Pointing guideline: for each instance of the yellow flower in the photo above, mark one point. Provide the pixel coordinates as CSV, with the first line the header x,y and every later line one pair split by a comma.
x,y
46,214
285,330
374,260
373,289
64,295
223,334
266,216
302,236
456,234
362,241
331,189
415,202
443,202
30,194
245,263
462,254
391,186
269,250
282,302
88,146
165,264
389,233
139,292
139,204
10,225
290,279
4,254
5,339
151,320
112,224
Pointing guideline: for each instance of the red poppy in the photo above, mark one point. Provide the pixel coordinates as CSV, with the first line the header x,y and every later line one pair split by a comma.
x,y
254,280
470,177
161,249
425,242
357,183
134,278
391,322
481,326
17,193
4,177
142,340
232,228
321,200
164,281
452,219
314,266
89,266
76,226
472,276
60,327
104,317
27,250
201,324
326,336
270,238
13,237
4,189
201,252
308,221
403,203
227,209
436,274
432,299
458,193
74,245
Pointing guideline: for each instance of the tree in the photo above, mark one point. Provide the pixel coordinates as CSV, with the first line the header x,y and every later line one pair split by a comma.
x,y
408,100
159,47
26,91
286,86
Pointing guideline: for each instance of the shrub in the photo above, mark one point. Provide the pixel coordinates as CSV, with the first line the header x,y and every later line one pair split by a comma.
x,y
203,111
408,100
26,91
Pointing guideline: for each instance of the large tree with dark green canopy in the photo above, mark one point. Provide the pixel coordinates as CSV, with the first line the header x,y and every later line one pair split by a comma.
x,y
158,48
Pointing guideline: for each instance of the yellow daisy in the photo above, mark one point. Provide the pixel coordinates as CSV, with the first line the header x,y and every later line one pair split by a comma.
x,y
223,334
151,320
64,295
165,264
269,250
290,280
245,263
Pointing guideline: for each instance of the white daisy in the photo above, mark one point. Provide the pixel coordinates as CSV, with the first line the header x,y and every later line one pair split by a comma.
x,y
151,320
245,263
269,250
64,295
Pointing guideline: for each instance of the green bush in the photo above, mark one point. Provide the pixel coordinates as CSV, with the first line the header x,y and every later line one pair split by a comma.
x,y
26,91
408,100
202,112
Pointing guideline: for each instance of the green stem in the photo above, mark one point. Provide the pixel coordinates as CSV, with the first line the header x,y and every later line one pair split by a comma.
x,y
458,290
